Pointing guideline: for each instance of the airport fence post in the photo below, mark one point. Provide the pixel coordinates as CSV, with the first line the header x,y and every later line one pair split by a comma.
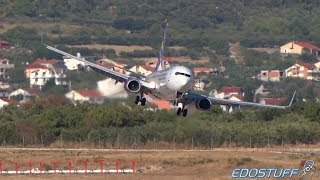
x,y
154,142
99,143
42,141
61,141
174,142
250,141
230,143
23,141
211,145
192,142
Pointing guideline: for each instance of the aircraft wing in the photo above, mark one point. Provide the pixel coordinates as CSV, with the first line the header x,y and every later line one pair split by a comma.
x,y
221,101
108,72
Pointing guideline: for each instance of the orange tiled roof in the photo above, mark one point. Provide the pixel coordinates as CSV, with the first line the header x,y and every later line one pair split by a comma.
x,y
36,66
307,65
307,45
274,101
230,89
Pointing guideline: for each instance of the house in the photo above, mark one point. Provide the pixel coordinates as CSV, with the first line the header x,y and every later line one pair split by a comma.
x,y
144,69
303,70
4,66
228,91
317,65
201,84
232,93
299,47
273,101
43,70
273,75
24,94
260,91
91,96
4,44
5,102
204,70
158,103
73,64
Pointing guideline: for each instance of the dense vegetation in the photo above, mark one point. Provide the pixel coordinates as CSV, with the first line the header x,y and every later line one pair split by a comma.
x,y
204,23
203,27
47,120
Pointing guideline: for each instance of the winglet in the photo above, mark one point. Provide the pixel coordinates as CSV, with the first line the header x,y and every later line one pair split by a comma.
x,y
294,94
42,40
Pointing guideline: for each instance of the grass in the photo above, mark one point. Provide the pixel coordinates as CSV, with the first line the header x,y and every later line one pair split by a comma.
x,y
154,165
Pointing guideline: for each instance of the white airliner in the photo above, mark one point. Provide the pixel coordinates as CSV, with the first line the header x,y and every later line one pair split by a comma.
x,y
174,83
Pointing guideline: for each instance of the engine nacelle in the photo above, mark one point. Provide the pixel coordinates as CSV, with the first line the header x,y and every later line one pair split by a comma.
x,y
203,104
132,85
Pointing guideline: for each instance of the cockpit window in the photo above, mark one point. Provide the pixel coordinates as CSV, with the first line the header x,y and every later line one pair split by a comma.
x,y
183,74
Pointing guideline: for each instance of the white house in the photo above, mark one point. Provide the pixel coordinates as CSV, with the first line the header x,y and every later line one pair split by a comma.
x,y
92,96
5,102
72,64
40,74
231,93
25,93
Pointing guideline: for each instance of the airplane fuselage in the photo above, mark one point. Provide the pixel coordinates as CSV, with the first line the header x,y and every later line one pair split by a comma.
x,y
171,80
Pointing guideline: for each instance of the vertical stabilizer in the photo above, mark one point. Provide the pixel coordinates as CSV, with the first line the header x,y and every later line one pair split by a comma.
x,y
160,63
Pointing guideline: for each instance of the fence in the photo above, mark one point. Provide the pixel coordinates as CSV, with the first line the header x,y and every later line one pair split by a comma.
x,y
121,141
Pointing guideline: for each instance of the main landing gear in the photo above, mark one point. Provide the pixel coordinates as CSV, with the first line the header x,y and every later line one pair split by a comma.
x,y
140,99
183,111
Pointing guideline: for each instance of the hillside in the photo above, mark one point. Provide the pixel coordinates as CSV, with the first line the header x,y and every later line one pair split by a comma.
x,y
193,23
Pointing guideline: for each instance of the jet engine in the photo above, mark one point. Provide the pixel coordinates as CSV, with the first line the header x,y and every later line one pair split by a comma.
x,y
132,85
203,104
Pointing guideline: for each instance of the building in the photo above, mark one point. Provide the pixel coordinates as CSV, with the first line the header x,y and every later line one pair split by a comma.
x,y
24,94
204,70
5,102
299,47
273,75
4,66
144,69
306,71
232,93
91,96
73,64
273,101
4,44
201,84
42,70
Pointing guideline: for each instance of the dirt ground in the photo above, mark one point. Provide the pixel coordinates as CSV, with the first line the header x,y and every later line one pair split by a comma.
x,y
162,164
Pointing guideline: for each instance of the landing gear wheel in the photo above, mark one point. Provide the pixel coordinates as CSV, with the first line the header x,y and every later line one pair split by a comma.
x,y
137,100
143,101
185,112
179,111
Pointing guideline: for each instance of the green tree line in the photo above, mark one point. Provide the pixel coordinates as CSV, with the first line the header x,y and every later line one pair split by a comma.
x,y
46,120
